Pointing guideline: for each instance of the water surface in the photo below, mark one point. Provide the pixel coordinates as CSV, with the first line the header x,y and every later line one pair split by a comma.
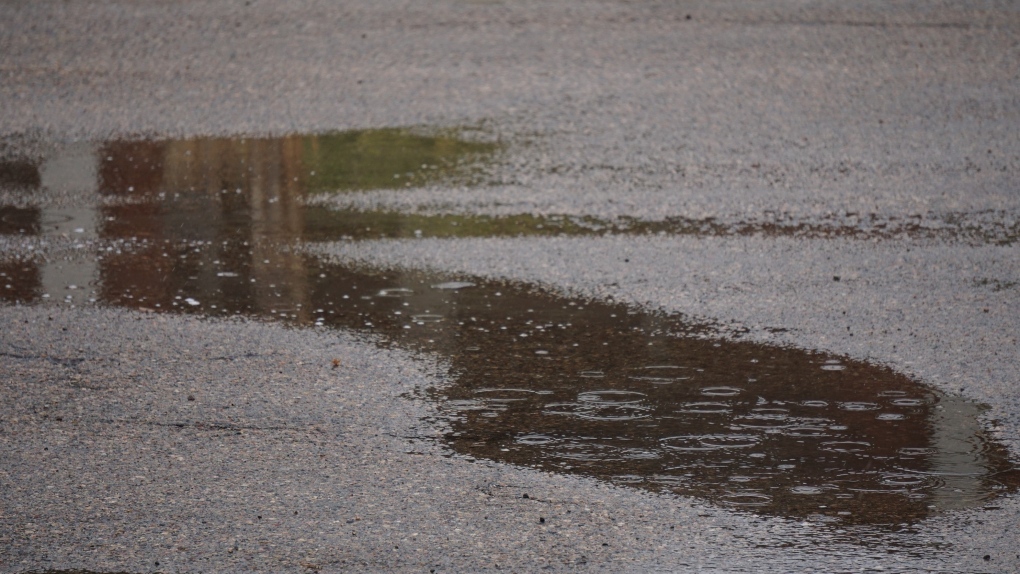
x,y
535,378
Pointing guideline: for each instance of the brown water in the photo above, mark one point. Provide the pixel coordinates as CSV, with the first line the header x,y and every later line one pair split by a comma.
x,y
535,379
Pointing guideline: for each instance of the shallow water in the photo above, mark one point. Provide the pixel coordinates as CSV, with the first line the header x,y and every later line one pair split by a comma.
x,y
537,379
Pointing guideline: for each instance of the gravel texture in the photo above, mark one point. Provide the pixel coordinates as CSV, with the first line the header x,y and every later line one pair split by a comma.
x,y
803,112
282,462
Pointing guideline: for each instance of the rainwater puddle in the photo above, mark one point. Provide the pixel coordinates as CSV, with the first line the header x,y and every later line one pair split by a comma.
x,y
274,175
584,387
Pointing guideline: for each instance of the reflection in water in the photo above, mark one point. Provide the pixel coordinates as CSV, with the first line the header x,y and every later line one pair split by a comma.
x,y
388,158
587,387
19,174
23,220
72,170
19,281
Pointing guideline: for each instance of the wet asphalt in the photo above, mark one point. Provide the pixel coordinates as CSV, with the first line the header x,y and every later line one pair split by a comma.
x,y
140,442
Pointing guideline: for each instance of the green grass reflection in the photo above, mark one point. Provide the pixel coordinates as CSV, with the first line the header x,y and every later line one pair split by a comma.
x,y
390,158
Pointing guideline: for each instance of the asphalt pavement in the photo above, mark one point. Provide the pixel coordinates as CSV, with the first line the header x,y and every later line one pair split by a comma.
x,y
876,143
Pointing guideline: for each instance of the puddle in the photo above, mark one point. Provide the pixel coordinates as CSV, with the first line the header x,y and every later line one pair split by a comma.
x,y
325,223
19,174
280,175
307,164
572,386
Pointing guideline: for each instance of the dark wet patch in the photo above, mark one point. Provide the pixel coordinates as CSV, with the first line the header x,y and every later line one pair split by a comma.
x,y
20,281
389,158
599,389
331,224
324,224
139,181
295,165
536,379
19,175
19,220
996,284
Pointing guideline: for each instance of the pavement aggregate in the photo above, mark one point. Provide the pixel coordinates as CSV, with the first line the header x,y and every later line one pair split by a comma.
x,y
284,463
806,113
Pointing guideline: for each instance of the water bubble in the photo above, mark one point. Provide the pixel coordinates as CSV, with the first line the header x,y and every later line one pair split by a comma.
x,y
657,380
890,417
902,480
858,406
453,285
721,391
426,318
694,443
395,292
624,412
814,404
806,490
599,411
534,439
846,446
770,413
